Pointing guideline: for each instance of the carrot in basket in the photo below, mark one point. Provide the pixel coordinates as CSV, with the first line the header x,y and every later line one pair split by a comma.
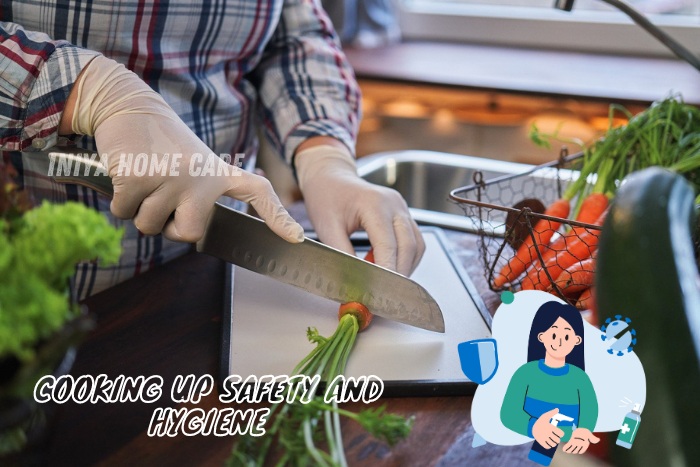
x,y
527,252
578,249
586,301
592,207
576,278
528,282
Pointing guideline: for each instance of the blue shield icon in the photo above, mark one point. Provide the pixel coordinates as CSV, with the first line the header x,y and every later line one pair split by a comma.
x,y
479,359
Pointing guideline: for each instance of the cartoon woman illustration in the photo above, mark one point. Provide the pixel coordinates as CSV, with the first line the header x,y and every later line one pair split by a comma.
x,y
553,382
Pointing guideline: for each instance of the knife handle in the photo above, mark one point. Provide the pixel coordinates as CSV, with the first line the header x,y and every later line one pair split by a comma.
x,y
82,170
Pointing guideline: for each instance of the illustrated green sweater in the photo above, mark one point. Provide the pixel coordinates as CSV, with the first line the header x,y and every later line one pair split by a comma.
x,y
536,388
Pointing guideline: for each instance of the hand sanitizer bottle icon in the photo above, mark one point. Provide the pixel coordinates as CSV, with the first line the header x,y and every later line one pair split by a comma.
x,y
629,427
541,454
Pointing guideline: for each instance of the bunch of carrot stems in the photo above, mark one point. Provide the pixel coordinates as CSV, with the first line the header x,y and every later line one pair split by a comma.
x,y
667,134
302,430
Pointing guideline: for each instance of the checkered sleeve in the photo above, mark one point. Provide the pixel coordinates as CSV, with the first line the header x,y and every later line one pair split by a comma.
x,y
36,77
305,83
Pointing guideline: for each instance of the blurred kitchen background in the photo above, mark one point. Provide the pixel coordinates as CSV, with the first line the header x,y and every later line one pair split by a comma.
x,y
486,121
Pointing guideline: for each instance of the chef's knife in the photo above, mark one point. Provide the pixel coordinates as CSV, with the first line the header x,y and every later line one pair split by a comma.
x,y
312,266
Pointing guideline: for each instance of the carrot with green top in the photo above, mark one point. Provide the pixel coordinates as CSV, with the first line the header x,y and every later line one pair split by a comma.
x,y
309,432
357,309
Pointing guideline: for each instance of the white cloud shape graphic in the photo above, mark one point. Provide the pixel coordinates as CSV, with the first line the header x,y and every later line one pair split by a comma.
x,y
614,378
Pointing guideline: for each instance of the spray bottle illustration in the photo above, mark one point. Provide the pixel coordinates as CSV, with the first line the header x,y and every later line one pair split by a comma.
x,y
541,454
629,427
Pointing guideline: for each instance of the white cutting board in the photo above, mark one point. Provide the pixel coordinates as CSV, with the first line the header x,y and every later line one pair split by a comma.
x,y
269,321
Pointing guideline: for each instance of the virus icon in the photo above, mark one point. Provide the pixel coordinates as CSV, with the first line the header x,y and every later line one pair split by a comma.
x,y
619,334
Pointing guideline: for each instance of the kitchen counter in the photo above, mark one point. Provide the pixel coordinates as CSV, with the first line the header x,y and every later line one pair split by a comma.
x,y
168,322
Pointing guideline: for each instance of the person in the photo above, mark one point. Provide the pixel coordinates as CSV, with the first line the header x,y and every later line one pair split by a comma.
x,y
553,381
364,23
194,78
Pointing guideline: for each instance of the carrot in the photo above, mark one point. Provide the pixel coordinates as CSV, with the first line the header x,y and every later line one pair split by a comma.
x,y
309,431
527,252
589,208
528,282
357,309
587,300
576,278
579,249
592,207
586,303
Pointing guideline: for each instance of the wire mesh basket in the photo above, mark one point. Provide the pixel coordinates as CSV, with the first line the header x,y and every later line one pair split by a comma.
x,y
507,213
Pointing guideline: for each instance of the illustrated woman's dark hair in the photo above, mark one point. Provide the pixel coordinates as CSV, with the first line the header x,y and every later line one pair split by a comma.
x,y
547,314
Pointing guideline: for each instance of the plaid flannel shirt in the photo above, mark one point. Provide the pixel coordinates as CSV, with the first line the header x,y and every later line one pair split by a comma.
x,y
225,67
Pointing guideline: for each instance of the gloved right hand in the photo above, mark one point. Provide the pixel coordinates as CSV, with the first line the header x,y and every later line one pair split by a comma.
x,y
127,117
339,202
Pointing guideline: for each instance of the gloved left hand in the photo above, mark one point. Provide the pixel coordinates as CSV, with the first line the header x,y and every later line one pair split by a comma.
x,y
130,120
339,202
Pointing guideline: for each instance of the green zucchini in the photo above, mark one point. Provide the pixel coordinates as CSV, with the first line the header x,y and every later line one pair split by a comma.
x,y
647,271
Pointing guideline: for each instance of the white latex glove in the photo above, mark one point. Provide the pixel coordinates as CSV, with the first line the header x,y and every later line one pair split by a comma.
x,y
339,202
126,116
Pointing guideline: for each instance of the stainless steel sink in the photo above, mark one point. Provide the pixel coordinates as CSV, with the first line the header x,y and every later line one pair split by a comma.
x,y
425,179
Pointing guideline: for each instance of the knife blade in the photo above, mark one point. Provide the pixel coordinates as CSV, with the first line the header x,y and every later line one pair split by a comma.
x,y
246,241
319,269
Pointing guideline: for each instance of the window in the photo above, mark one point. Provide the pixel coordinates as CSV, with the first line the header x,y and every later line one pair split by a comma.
x,y
665,7
592,26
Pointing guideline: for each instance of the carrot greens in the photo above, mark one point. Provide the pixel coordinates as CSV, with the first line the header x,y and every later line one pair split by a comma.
x,y
667,134
303,430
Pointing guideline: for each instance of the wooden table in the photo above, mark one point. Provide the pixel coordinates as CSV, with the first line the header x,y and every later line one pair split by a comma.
x,y
168,322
